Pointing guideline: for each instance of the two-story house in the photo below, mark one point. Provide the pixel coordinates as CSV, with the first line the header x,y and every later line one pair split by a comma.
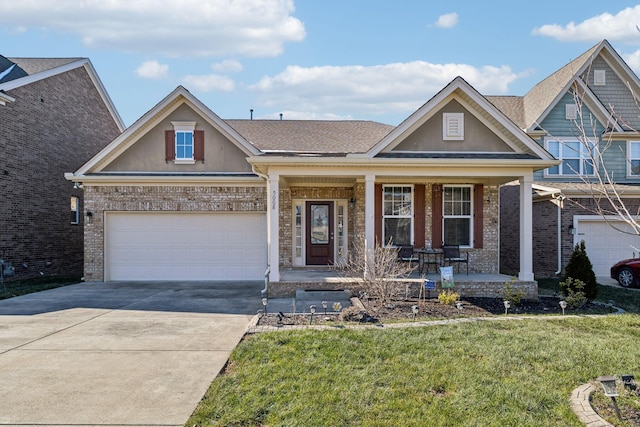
x,y
54,115
588,107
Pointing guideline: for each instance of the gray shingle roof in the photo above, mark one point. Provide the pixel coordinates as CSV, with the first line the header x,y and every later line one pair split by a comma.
x,y
37,65
525,110
312,136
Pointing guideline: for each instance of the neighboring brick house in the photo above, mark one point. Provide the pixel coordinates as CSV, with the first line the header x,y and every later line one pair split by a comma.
x,y
564,207
54,115
185,195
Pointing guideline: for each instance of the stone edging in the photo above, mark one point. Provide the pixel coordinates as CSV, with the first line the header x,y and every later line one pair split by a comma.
x,y
581,406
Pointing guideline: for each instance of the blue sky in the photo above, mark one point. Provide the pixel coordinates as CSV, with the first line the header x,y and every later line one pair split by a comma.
x,y
331,59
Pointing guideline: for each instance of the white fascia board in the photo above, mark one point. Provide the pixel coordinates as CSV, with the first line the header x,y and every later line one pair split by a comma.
x,y
4,98
104,94
84,62
152,180
152,118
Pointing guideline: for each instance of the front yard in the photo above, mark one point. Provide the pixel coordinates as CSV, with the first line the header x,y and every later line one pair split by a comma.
x,y
485,373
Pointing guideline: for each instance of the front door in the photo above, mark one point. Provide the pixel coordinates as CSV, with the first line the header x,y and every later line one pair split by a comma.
x,y
319,233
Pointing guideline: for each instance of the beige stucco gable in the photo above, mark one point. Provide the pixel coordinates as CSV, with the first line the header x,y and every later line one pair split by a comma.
x,y
477,136
147,154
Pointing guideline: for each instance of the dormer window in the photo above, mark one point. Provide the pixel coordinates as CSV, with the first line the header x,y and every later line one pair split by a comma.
x,y
184,144
599,77
453,126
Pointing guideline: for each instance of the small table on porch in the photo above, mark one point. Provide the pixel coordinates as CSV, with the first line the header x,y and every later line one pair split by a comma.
x,y
428,257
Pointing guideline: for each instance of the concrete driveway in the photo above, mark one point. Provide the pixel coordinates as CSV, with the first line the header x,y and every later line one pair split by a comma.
x,y
126,354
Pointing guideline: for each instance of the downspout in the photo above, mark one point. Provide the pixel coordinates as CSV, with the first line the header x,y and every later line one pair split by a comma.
x,y
560,199
268,270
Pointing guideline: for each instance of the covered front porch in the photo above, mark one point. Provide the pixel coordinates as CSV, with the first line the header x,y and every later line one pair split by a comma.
x,y
324,278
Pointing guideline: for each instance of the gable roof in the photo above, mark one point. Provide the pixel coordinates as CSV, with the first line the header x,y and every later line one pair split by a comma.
x,y
166,106
529,111
19,72
475,103
311,136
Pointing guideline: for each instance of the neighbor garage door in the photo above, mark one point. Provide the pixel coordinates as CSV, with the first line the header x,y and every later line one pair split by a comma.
x,y
606,246
185,246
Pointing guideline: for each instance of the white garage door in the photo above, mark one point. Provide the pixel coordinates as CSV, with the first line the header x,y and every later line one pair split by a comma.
x,y
606,246
185,246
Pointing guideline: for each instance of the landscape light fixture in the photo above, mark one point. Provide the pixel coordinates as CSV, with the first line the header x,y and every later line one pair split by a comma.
x,y
459,306
563,305
507,306
264,303
325,304
415,309
610,390
312,309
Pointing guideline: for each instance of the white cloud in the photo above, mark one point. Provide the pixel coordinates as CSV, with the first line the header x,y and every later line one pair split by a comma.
x,y
227,66
152,70
256,28
398,87
208,83
618,27
633,61
448,20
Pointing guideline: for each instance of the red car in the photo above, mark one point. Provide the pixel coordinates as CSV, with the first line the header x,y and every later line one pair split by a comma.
x,y
626,272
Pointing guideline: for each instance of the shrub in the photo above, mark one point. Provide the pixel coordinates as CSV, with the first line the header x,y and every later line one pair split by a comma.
x,y
511,294
580,268
573,289
448,297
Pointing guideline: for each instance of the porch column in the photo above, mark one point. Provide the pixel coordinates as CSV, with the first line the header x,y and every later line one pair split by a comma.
x,y
526,228
273,226
369,216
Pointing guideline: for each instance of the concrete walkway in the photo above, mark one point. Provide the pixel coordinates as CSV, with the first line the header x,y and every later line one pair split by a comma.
x,y
126,354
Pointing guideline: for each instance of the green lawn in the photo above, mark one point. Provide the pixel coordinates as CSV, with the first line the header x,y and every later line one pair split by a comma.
x,y
14,288
488,373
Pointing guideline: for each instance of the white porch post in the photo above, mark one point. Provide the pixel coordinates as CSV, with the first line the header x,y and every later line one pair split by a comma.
x,y
526,228
369,216
273,226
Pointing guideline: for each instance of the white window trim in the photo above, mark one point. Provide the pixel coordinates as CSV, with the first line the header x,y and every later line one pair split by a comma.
x,y
583,157
385,240
599,77
470,216
77,211
629,159
570,111
184,127
450,123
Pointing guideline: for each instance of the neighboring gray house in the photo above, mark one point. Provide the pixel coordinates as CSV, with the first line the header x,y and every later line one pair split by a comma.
x,y
54,115
563,206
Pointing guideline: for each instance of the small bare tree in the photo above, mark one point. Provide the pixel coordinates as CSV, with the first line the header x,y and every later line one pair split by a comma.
x,y
607,198
379,270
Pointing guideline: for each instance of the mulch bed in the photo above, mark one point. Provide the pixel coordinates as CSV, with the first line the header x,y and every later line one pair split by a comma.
x,y
431,309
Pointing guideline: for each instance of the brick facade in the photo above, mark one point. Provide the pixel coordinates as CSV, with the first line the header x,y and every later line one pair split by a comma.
x,y
54,126
481,260
102,199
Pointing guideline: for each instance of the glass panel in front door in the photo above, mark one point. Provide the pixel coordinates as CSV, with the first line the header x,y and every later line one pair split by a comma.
x,y
319,224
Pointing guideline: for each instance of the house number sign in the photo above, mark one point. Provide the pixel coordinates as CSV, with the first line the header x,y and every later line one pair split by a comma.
x,y
273,200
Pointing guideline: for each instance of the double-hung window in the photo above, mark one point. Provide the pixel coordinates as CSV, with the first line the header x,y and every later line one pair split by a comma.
x,y
576,157
397,215
184,142
457,218
634,158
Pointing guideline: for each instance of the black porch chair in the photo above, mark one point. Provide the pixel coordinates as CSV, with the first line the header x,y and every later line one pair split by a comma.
x,y
406,254
451,255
